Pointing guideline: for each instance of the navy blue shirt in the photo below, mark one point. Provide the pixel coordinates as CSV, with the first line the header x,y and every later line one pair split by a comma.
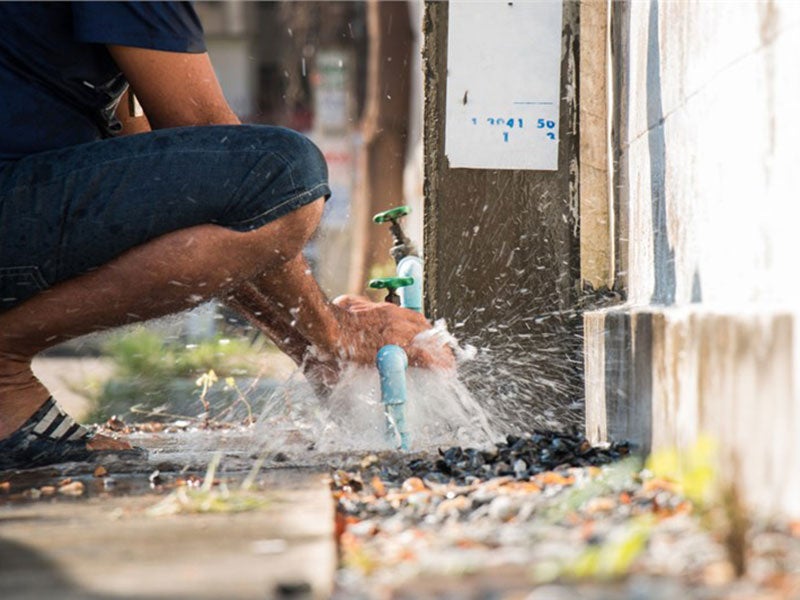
x,y
59,85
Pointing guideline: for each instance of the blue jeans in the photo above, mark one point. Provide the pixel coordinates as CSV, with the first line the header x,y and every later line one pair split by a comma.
x,y
67,211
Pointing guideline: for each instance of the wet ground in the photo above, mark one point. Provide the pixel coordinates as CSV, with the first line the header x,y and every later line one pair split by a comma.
x,y
164,528
542,516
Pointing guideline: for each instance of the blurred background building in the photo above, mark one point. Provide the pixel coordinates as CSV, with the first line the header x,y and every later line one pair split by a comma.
x,y
347,74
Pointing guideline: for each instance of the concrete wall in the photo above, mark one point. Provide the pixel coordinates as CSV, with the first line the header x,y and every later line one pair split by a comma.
x,y
711,149
705,130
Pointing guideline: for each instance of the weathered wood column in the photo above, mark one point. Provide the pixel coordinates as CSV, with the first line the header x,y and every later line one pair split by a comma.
x,y
503,255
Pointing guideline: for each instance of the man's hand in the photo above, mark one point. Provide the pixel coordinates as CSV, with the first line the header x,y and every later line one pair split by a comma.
x,y
365,327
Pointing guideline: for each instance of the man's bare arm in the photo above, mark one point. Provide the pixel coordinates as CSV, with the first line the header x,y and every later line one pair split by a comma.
x,y
175,89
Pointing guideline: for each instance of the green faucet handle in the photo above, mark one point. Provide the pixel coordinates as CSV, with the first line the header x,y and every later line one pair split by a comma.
x,y
390,283
391,214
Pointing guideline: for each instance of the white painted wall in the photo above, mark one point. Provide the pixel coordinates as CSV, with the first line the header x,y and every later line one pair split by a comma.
x,y
713,128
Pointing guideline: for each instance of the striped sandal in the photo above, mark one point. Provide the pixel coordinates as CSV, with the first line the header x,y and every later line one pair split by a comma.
x,y
51,437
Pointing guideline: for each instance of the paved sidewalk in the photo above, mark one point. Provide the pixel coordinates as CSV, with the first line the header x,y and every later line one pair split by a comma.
x,y
103,544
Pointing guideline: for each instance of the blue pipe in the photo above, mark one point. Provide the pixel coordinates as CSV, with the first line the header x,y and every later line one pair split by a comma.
x,y
392,363
411,295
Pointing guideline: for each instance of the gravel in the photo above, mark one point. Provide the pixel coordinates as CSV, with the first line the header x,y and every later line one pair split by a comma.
x,y
543,515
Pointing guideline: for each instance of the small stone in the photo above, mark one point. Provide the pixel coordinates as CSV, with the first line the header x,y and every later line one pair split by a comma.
x,y
600,505
293,589
502,508
454,506
377,487
74,488
47,490
100,471
369,460
484,495
382,508
718,574
155,478
116,424
413,484
418,499
362,528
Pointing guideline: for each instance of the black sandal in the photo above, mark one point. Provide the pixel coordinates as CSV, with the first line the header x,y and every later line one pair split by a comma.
x,y
51,437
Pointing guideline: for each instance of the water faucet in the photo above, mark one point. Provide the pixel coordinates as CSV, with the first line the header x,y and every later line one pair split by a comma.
x,y
391,284
402,245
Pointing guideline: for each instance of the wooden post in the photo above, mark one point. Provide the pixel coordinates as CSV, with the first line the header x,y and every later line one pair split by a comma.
x,y
385,130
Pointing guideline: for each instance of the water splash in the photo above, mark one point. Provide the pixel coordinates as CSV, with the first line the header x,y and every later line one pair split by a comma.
x,y
440,411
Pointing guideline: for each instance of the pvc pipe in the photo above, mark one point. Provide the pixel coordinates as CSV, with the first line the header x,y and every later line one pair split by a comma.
x,y
411,295
392,363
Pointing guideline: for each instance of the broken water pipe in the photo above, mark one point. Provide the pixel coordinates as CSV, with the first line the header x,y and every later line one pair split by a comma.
x,y
392,361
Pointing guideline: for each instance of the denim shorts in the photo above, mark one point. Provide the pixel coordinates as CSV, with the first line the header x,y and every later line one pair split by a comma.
x,y
67,211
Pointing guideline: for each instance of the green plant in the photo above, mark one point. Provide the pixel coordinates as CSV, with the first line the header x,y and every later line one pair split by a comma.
x,y
144,352
157,378
212,497
717,500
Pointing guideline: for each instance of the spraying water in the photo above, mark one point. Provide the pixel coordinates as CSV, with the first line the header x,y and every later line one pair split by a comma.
x,y
440,411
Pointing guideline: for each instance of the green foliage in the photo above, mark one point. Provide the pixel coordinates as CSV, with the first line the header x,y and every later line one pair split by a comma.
x,y
693,470
143,352
211,497
717,501
614,558
157,378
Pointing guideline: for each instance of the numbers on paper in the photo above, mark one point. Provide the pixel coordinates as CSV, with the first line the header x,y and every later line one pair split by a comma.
x,y
506,125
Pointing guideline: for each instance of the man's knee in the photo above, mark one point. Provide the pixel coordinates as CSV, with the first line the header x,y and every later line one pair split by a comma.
x,y
287,171
291,232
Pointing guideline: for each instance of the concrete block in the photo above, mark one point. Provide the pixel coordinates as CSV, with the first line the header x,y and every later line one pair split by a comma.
x,y
660,377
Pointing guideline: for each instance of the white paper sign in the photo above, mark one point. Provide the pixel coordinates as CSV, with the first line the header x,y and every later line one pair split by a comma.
x,y
503,82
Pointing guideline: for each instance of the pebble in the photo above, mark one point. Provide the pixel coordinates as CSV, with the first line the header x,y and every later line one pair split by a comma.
x,y
74,488
600,505
413,484
502,508
453,506
542,500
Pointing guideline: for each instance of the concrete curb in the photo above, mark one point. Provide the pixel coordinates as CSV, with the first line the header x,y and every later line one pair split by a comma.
x,y
660,377
108,547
